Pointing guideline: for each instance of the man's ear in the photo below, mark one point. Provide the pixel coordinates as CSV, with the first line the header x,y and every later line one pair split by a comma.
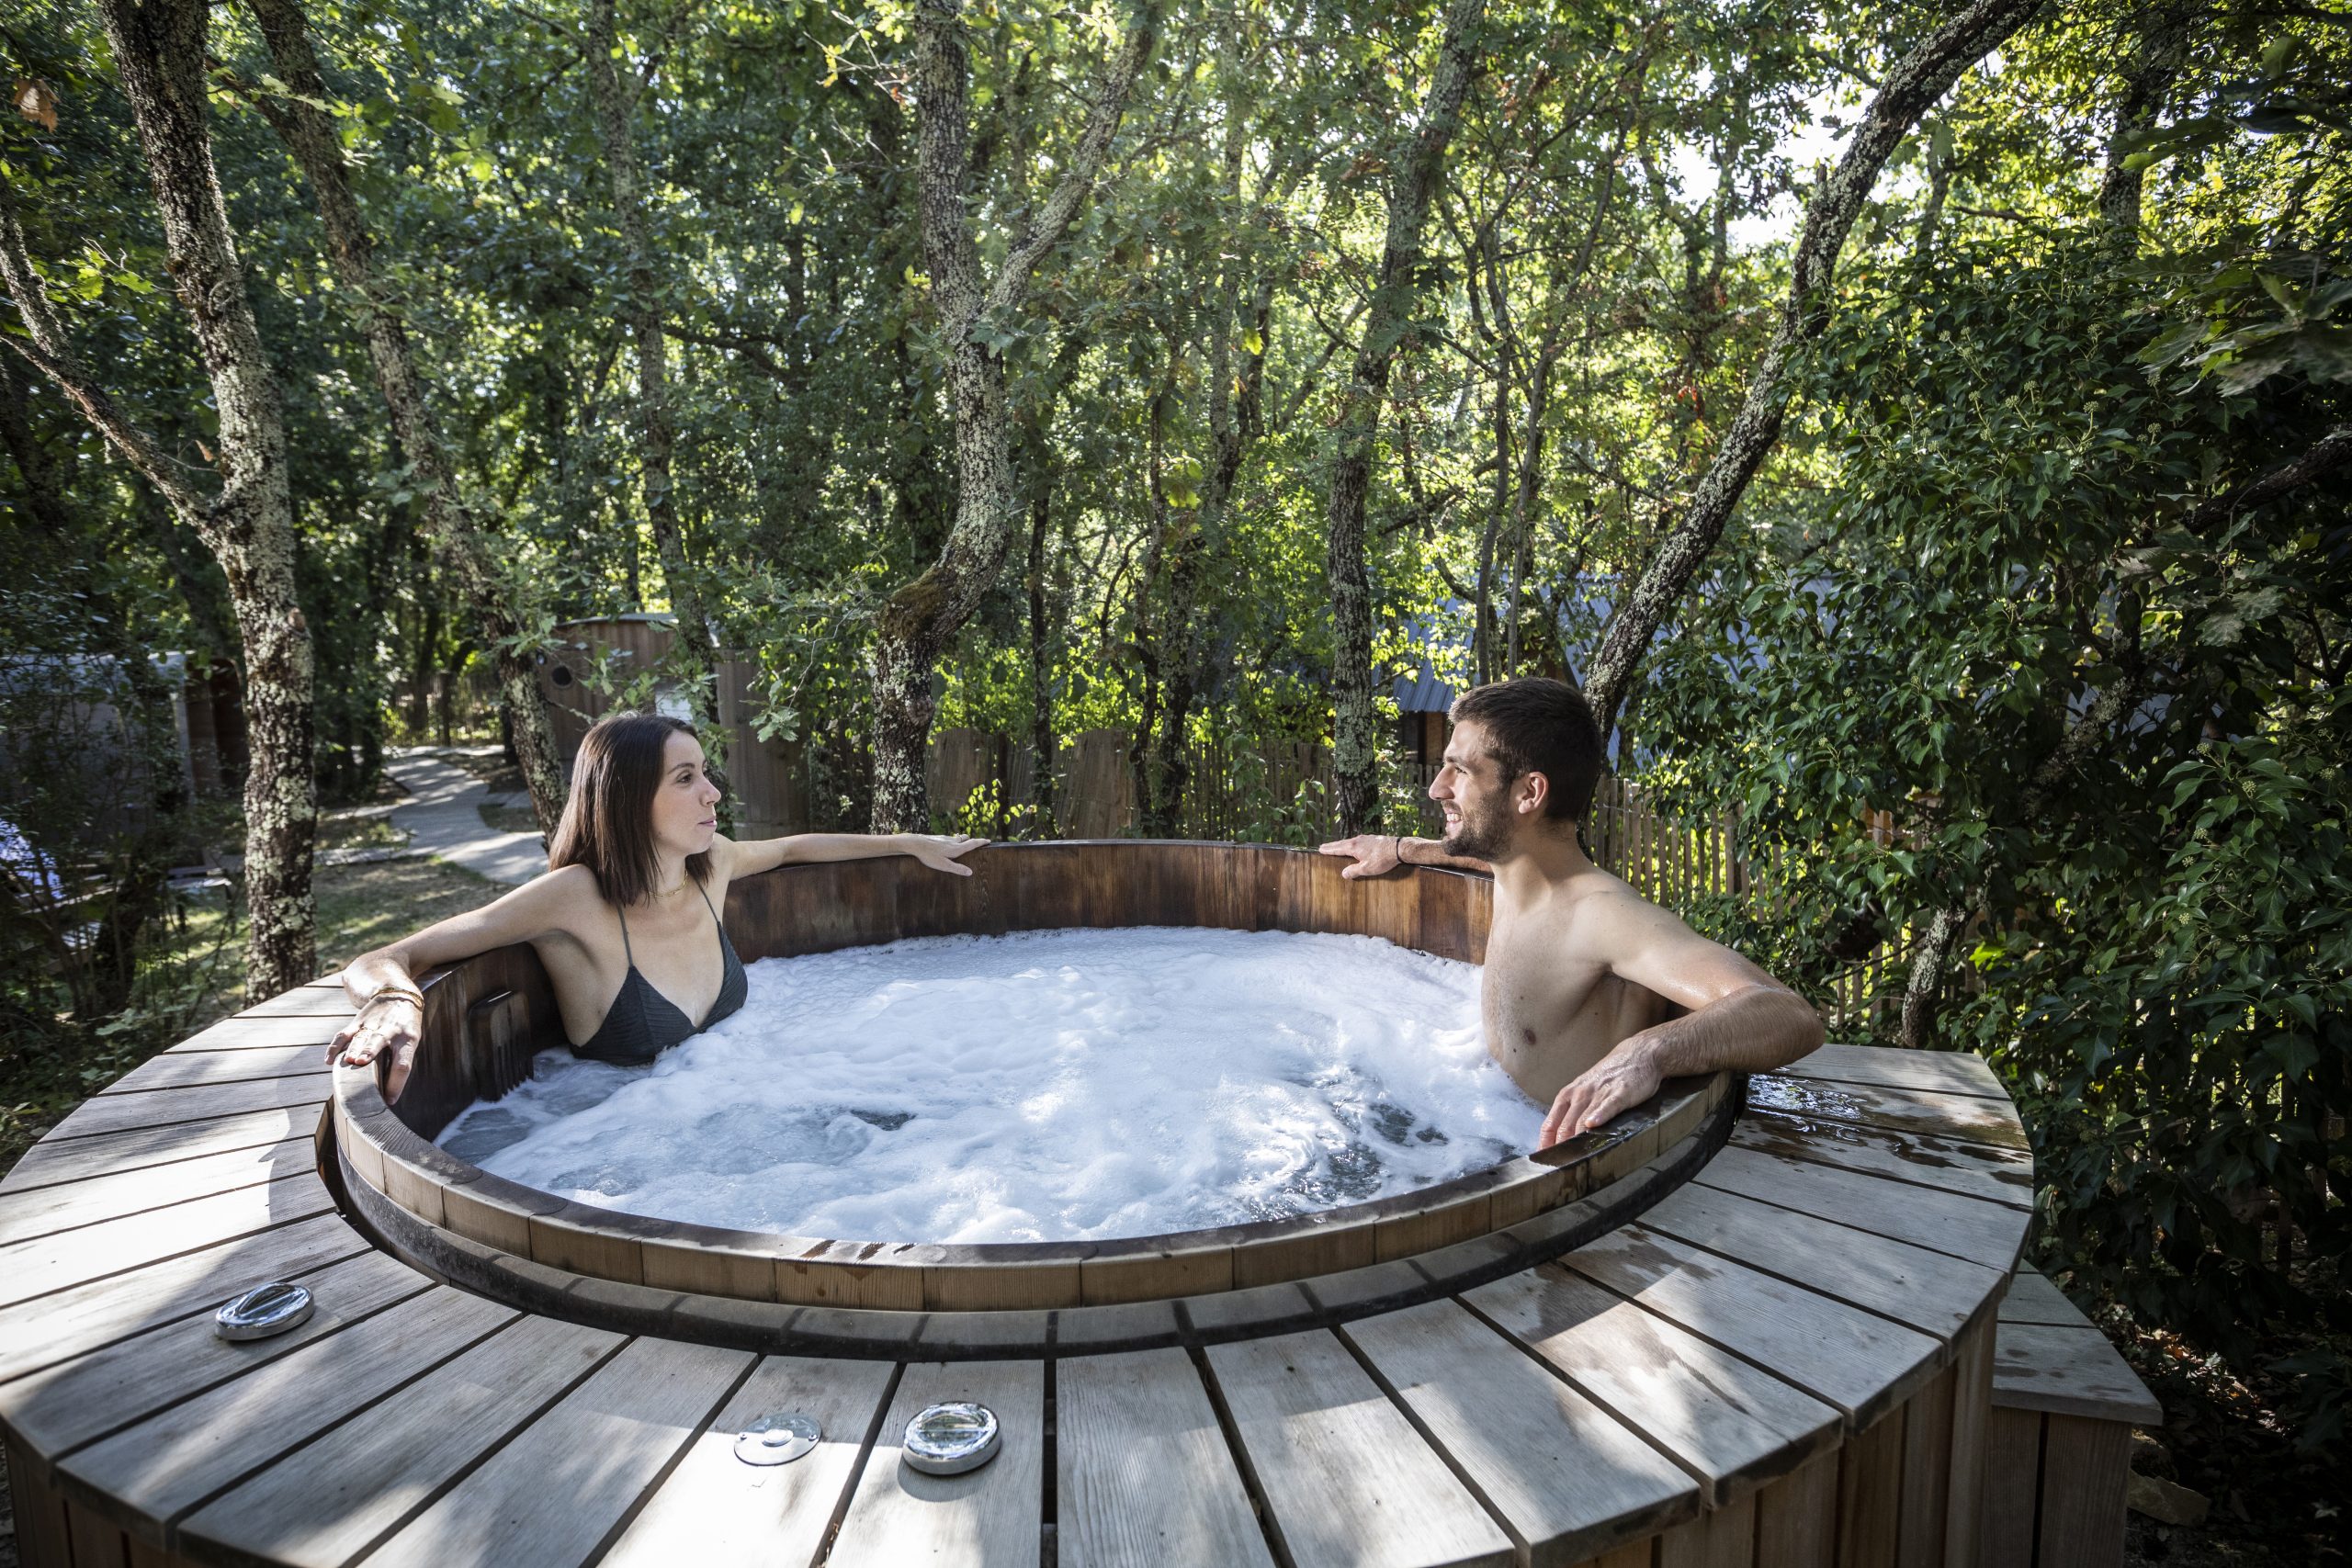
x,y
1530,794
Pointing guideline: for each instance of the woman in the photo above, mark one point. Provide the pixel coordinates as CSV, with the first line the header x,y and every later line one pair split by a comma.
x,y
626,919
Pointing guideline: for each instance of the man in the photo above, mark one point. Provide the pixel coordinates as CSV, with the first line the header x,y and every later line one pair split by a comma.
x,y
1579,964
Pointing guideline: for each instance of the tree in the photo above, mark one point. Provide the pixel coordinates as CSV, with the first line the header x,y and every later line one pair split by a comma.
x,y
467,543
159,47
1355,754
921,618
1910,89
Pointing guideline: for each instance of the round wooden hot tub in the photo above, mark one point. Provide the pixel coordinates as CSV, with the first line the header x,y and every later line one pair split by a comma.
x,y
1765,1342
486,1017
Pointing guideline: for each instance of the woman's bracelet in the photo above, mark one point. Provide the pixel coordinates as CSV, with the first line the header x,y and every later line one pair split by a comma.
x,y
1396,846
398,993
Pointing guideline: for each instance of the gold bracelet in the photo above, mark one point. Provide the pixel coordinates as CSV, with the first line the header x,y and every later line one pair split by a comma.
x,y
397,993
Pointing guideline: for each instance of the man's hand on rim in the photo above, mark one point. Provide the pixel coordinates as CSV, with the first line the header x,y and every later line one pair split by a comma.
x,y
1618,1082
1375,854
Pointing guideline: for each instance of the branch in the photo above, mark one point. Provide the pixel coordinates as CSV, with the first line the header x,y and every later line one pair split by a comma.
x,y
1918,81
51,353
1012,280
2331,452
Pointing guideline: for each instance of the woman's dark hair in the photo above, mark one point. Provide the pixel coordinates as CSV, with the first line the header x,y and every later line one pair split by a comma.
x,y
1539,726
608,822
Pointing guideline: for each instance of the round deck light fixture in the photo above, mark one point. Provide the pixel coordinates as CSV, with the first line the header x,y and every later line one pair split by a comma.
x,y
777,1439
950,1439
263,1311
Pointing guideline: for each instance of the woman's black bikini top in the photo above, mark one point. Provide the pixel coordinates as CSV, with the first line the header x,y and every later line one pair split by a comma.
x,y
643,1023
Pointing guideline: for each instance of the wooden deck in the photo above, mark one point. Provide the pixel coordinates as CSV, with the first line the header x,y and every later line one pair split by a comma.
x,y
1786,1361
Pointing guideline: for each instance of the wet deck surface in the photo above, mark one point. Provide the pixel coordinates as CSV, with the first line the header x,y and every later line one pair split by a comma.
x,y
1748,1374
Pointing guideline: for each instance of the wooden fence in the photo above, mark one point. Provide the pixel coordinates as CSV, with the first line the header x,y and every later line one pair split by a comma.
x,y
1283,792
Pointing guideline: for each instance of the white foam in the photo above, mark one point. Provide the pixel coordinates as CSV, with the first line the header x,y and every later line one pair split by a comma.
x,y
1047,1086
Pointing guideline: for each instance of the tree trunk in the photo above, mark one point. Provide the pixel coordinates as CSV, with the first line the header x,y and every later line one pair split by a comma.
x,y
1041,672
616,107
159,47
2161,32
919,622
1356,742
1912,87
501,622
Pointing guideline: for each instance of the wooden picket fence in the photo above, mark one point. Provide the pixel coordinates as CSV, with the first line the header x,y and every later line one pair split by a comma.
x,y
1282,792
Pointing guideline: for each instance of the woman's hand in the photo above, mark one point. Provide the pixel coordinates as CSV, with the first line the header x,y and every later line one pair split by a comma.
x,y
391,1023
942,851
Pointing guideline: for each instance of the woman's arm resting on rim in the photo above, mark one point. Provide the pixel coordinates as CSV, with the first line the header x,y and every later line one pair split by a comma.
x,y
383,983
1741,1019
940,852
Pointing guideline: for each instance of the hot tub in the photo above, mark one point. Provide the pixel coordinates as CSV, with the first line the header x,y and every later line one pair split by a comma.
x,y
859,1295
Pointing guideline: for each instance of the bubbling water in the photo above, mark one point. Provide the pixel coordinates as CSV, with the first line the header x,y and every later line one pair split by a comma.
x,y
1045,1086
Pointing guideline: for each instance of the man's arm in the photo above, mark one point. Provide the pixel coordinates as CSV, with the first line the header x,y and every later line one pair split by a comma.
x,y
1376,854
1740,1019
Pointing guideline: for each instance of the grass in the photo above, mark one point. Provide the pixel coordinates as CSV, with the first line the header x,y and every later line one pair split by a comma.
x,y
195,975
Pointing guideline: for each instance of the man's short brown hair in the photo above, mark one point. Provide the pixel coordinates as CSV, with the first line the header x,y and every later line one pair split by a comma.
x,y
1535,725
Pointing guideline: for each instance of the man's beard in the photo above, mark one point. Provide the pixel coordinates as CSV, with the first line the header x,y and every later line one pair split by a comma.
x,y
1476,837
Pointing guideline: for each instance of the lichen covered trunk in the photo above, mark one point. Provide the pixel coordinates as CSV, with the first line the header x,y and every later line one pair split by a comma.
x,y
466,545
1355,745
159,47
1910,89
657,431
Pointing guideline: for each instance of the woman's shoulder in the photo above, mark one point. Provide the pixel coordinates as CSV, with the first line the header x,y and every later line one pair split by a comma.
x,y
563,897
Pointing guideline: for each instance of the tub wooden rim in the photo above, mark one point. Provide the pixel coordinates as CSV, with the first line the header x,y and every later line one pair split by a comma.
x,y
485,996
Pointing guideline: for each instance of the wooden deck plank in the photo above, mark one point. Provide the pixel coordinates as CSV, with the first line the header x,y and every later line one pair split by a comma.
x,y
1796,1517
1999,1176
71,1323
1720,1538
1927,1473
319,999
1570,1480
2012,1482
2032,1298
175,1458
76,1401
1728,1422
329,1499
992,1515
550,1495
2085,1466
2068,1371
1952,1223
80,1159
1869,1493
40,1210
39,1514
1346,1478
1839,1353
1927,1291
1142,1474
1963,1117
715,1508
47,1263
171,1107
1971,1408
1886,1067
177,1070
259,1034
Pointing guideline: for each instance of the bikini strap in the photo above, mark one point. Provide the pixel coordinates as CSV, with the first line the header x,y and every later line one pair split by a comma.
x,y
625,951
706,904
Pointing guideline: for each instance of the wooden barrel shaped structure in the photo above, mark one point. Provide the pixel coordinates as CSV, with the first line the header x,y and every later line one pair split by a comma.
x,y
1753,1330
486,1017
